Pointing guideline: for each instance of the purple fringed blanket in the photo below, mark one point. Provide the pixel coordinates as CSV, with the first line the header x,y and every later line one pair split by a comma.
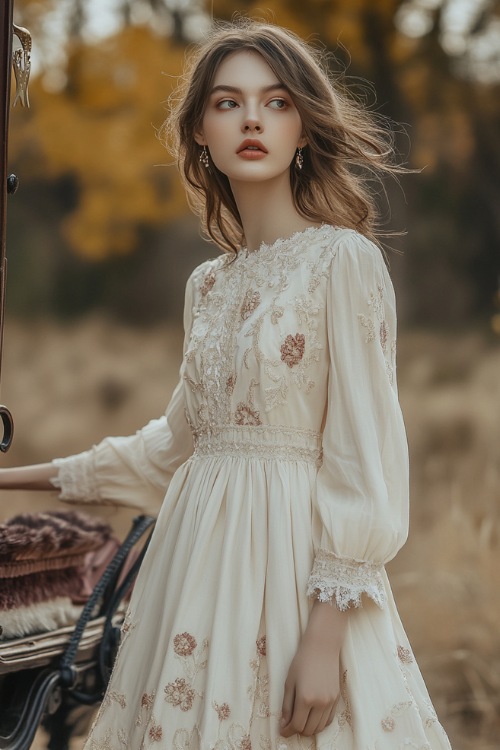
x,y
48,565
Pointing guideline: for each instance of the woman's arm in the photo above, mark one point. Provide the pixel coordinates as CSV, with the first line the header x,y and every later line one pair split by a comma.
x,y
35,477
313,683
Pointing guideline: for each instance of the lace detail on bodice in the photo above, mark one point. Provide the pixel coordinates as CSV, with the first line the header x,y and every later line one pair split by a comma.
x,y
255,335
343,581
263,443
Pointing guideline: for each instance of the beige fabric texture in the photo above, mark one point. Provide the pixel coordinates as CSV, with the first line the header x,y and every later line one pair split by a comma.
x,y
281,470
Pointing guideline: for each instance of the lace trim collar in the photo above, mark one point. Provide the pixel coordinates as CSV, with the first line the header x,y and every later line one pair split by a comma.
x,y
284,243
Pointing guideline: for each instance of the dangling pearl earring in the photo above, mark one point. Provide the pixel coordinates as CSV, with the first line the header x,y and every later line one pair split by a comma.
x,y
204,157
299,159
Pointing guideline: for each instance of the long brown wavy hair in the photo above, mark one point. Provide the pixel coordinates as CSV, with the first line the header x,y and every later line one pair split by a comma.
x,y
347,146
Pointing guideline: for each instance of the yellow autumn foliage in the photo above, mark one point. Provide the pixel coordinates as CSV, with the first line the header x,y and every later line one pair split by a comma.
x,y
101,128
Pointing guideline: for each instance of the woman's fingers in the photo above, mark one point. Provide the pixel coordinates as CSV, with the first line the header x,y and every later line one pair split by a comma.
x,y
287,708
308,719
298,721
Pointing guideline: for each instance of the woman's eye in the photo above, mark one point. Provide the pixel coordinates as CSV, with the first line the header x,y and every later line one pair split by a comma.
x,y
226,104
278,104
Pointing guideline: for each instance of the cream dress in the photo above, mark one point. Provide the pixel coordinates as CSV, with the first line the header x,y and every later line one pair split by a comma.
x,y
284,462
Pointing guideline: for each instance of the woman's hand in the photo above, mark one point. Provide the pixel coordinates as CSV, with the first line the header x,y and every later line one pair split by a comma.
x,y
313,682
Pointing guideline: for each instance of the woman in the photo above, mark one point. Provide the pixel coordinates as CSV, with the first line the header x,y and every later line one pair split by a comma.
x,y
262,616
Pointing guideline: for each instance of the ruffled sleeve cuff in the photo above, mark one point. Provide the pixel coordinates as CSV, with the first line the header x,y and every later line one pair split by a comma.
x,y
75,479
343,581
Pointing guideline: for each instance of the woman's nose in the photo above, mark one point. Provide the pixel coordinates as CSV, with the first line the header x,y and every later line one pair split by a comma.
x,y
252,123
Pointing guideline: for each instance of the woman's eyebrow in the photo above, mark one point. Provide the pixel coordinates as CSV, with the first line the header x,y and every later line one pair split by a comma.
x,y
236,90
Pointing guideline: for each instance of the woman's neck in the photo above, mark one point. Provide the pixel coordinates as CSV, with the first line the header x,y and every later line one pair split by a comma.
x,y
267,211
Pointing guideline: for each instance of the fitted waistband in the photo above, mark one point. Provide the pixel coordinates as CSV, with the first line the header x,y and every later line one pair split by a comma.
x,y
263,442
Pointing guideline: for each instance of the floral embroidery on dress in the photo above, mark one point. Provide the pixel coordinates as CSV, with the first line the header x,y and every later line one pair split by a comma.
x,y
378,321
261,645
345,716
388,724
155,732
112,696
245,415
292,350
147,701
405,655
104,743
223,710
181,692
230,383
208,282
250,303
184,644
259,690
219,318
185,740
178,693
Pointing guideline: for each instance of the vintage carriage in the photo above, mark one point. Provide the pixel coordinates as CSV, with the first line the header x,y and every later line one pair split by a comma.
x,y
53,668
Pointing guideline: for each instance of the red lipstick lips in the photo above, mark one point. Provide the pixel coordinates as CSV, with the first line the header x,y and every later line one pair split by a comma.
x,y
252,149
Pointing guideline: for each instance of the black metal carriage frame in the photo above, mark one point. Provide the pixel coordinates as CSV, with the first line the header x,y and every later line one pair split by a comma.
x,y
45,679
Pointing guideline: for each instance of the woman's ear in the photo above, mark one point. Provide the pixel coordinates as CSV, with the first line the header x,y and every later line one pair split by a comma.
x,y
302,142
200,139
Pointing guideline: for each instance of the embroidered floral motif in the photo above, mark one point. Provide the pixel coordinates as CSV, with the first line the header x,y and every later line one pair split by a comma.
x,y
250,303
155,732
378,318
184,644
179,694
230,383
345,716
384,335
345,580
292,350
388,724
245,415
259,690
247,281
184,740
276,314
370,326
112,696
208,282
104,743
223,710
405,655
147,701
261,645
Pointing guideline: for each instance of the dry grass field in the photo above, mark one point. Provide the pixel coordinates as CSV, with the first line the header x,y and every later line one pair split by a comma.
x,y
68,387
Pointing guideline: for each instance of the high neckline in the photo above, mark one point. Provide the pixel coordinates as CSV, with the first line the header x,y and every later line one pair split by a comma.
x,y
283,243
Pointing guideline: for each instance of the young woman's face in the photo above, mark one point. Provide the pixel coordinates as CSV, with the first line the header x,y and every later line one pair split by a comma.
x,y
251,126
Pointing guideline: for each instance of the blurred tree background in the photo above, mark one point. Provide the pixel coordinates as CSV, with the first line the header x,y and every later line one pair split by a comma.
x,y
101,219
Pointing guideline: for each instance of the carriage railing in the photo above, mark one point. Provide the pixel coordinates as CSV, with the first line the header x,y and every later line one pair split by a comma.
x,y
44,678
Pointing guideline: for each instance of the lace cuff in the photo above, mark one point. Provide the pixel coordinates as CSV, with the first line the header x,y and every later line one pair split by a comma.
x,y
76,479
343,581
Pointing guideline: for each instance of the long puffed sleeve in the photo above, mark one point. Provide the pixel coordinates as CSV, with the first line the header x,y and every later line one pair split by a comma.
x,y
132,471
361,502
